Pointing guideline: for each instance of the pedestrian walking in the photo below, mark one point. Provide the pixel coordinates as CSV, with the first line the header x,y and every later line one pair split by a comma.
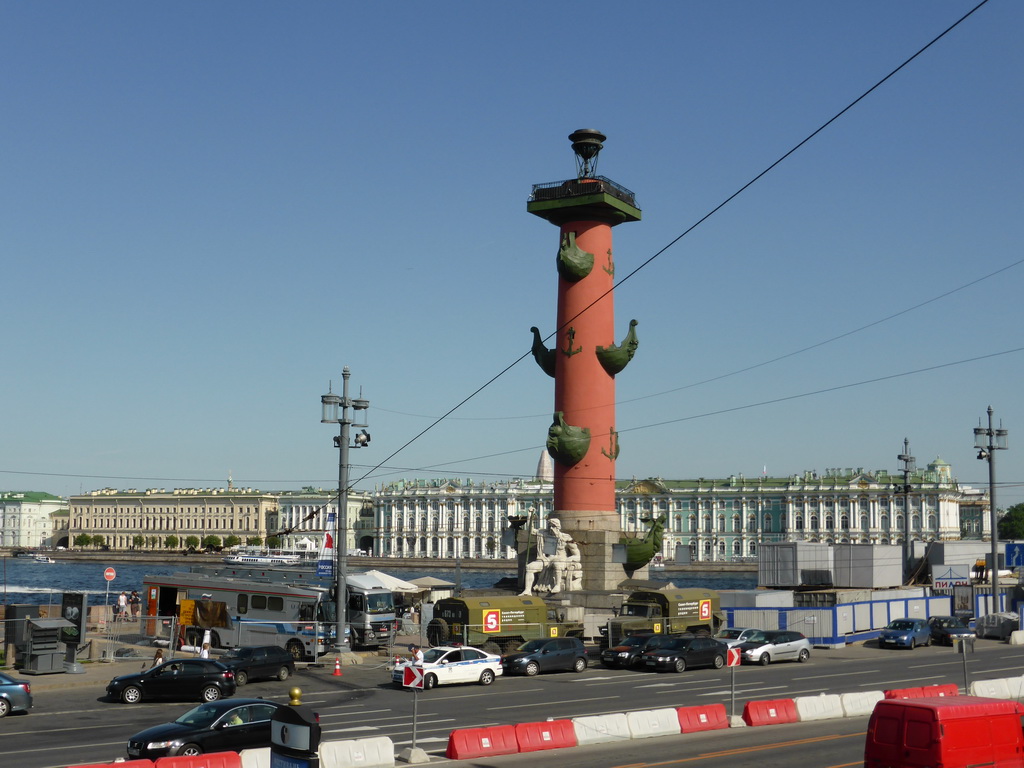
x,y
135,603
122,606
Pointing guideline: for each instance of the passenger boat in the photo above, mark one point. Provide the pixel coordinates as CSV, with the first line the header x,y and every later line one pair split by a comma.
x,y
263,559
43,559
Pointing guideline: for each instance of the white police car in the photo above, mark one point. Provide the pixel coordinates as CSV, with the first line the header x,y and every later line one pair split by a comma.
x,y
451,664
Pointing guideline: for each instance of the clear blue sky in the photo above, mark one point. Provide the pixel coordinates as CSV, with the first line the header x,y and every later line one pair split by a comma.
x,y
208,209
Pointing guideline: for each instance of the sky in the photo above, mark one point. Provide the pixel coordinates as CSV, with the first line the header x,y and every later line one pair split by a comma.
x,y
207,210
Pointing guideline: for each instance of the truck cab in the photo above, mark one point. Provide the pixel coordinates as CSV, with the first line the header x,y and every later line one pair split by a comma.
x,y
669,610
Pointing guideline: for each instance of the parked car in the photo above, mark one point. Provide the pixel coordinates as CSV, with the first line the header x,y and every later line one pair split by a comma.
x,y
627,652
202,679
946,628
546,655
218,726
680,653
449,664
251,662
997,625
15,695
775,645
905,633
733,636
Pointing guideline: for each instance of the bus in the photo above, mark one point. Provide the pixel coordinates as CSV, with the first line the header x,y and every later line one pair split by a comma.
x,y
285,607
298,617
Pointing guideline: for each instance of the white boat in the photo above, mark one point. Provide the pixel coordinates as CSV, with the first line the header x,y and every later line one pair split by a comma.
x,y
44,559
262,560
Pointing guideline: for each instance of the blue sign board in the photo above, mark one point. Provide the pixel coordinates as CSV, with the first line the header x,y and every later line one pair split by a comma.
x,y
1014,555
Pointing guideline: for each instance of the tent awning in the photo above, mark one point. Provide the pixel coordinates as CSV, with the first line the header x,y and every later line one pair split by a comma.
x,y
385,580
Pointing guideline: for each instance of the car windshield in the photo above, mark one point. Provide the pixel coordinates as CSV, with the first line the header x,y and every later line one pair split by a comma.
x,y
431,656
676,644
532,645
202,716
756,637
633,641
238,653
729,634
901,625
951,623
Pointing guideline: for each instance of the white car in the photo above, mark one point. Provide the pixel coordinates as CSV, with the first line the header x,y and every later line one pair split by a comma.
x,y
733,636
449,664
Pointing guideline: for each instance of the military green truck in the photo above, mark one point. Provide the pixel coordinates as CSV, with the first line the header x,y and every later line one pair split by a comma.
x,y
669,611
496,624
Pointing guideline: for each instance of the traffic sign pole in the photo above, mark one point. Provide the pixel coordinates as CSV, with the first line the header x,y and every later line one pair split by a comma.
x,y
734,657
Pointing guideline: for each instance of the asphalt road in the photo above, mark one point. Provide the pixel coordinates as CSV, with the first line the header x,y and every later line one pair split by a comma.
x,y
72,723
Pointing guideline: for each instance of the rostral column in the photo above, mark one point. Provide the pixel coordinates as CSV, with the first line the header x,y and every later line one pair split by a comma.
x,y
585,360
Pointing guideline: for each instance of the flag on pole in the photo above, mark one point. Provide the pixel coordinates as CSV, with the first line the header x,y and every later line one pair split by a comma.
x,y
325,564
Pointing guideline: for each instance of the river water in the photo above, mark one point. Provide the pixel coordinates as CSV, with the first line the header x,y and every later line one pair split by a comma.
x,y
26,581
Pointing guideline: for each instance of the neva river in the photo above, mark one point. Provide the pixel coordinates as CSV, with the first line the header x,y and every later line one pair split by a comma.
x,y
26,581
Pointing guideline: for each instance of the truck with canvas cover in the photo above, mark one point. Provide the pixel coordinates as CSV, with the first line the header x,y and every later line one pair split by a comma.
x,y
496,624
669,610
947,731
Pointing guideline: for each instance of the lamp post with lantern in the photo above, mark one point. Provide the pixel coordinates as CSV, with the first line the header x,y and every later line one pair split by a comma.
x,y
330,404
988,441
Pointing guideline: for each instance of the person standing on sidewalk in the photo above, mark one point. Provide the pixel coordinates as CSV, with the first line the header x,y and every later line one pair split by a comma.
x,y
135,603
122,607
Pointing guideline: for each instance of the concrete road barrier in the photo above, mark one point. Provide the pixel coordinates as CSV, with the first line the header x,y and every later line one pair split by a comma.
x,y
255,758
709,717
466,743
375,752
860,704
824,707
648,723
600,729
769,712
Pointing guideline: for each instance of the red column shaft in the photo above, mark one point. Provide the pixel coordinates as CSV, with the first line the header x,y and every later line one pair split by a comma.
x,y
584,391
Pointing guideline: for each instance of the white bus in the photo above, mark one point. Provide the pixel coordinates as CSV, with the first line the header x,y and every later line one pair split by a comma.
x,y
298,617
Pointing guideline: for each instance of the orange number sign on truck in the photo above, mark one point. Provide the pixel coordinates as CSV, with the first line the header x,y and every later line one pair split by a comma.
x,y
705,610
492,621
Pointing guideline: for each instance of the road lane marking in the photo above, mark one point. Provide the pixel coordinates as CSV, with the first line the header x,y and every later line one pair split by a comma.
x,y
554,703
844,674
892,683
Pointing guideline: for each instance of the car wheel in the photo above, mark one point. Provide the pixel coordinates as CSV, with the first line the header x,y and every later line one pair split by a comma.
x,y
241,677
719,662
283,672
680,665
927,642
296,650
429,682
913,644
131,695
765,659
579,665
804,655
210,693
190,750
486,677
5,707
532,668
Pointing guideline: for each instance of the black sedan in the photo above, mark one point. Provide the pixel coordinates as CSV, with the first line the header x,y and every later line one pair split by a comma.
x,y
219,726
679,653
179,679
946,630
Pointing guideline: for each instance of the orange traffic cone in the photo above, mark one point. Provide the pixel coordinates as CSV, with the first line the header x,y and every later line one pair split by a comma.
x,y
337,667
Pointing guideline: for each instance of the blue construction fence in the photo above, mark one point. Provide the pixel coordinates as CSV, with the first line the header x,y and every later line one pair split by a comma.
x,y
837,625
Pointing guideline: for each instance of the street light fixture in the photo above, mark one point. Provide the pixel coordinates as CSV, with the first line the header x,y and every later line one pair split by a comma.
x,y
909,466
330,404
988,441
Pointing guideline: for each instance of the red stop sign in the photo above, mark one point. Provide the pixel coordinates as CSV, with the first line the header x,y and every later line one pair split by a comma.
x,y
109,574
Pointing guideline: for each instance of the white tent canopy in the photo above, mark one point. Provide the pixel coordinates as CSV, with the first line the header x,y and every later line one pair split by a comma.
x,y
381,579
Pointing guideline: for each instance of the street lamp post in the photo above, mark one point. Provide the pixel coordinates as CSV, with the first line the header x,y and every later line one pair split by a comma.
x,y
330,404
988,441
909,466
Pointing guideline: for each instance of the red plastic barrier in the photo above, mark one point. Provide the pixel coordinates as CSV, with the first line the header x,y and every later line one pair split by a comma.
x,y
903,693
947,689
126,764
770,712
466,743
710,717
212,760
551,734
